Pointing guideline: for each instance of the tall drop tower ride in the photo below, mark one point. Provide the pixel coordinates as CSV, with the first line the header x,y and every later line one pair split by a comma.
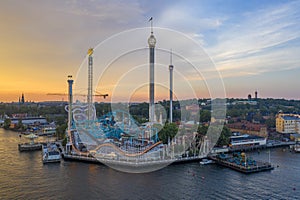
x,y
90,84
70,94
151,42
171,88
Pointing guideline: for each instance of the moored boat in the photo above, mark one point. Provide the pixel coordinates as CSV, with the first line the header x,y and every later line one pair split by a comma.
x,y
50,153
297,148
206,161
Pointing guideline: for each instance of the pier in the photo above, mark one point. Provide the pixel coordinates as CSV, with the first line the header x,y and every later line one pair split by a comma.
x,y
81,158
244,166
29,147
91,159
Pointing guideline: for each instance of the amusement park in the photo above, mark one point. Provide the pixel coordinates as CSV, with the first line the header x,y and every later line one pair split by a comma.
x,y
116,139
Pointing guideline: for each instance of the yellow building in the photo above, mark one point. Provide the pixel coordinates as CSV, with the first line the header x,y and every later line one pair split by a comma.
x,y
288,123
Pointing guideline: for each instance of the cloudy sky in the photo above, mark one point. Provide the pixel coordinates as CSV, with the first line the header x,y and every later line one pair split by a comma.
x,y
254,45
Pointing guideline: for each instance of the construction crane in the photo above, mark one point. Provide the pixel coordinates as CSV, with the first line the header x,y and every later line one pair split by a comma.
x,y
64,94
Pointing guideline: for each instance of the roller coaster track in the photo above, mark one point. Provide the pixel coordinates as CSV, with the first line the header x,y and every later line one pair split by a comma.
x,y
75,148
125,153
114,147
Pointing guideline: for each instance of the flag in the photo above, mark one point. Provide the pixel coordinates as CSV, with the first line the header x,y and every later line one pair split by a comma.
x,y
150,19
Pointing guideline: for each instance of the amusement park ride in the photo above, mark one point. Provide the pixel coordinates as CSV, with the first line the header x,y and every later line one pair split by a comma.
x,y
115,135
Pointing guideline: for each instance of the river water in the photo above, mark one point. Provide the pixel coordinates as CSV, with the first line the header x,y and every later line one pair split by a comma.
x,y
23,176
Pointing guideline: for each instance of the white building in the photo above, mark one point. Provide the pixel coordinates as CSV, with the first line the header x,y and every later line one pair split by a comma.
x,y
247,140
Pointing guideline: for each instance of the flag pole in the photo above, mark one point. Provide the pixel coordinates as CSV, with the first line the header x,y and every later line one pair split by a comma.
x,y
151,24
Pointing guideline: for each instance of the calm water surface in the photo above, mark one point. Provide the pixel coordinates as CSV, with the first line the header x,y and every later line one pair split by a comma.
x,y
23,176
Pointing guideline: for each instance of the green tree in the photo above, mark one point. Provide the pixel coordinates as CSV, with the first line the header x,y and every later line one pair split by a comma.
x,y
205,115
224,138
20,125
271,122
167,132
202,130
61,130
60,120
7,123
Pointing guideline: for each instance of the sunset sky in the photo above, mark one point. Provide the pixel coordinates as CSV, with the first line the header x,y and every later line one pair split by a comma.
x,y
254,44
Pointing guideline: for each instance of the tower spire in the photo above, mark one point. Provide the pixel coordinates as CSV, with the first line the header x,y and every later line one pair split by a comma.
x,y
23,99
151,43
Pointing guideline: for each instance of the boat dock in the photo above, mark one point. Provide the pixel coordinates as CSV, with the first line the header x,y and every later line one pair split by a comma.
x,y
29,146
247,167
91,159
80,158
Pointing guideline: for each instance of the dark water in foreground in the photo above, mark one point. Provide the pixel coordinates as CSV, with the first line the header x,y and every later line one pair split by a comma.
x,y
23,176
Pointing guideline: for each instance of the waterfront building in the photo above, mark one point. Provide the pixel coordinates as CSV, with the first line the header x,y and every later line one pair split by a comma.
x,y
29,121
288,123
248,140
249,128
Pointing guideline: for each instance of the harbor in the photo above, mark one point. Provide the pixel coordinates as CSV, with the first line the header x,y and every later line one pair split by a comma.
x,y
240,164
190,180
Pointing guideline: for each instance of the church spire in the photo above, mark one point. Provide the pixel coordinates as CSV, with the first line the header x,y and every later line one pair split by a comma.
x,y
23,99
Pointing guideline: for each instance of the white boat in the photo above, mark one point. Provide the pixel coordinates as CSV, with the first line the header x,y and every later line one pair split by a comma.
x,y
50,153
206,161
297,148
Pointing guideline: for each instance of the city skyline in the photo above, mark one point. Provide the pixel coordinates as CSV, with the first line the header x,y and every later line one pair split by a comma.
x,y
254,45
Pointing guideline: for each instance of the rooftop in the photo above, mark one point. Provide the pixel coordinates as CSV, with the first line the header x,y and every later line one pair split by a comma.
x,y
243,137
290,118
245,125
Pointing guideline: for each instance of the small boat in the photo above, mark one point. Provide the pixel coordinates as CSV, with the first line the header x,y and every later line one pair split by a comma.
x,y
206,161
50,153
297,148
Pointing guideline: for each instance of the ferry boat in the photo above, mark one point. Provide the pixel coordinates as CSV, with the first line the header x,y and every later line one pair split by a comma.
x,y
50,153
